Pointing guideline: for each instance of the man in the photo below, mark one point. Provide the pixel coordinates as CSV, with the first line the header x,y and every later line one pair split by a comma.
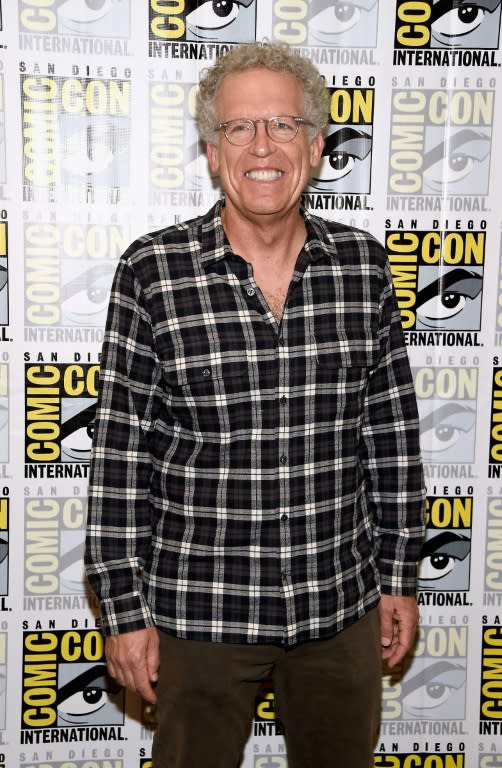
x,y
256,499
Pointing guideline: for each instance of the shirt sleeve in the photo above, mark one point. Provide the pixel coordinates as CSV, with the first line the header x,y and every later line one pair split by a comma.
x,y
391,457
119,536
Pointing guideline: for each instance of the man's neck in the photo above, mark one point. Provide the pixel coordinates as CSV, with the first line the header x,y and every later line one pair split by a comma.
x,y
267,239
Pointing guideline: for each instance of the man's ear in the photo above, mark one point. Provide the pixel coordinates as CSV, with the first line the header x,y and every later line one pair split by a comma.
x,y
212,157
316,148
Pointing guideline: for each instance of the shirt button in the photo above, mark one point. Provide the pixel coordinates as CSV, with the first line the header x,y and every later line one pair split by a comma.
x,y
206,372
284,517
284,400
283,460
250,291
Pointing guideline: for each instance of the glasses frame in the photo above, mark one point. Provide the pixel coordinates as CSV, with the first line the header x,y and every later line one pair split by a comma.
x,y
267,120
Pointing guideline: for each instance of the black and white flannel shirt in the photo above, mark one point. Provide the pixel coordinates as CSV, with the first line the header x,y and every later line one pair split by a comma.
x,y
252,481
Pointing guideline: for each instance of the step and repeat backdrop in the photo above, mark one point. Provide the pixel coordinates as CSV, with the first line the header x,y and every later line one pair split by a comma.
x,y
98,144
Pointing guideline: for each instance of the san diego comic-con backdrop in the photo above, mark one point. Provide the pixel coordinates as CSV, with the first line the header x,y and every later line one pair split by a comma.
x,y
98,144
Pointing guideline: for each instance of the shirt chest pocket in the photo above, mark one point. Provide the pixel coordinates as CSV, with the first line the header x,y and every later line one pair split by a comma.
x,y
343,369
210,397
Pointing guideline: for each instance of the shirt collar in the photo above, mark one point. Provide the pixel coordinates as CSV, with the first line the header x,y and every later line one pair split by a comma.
x,y
215,245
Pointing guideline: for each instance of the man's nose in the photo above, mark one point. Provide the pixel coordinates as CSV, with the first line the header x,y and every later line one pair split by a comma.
x,y
262,144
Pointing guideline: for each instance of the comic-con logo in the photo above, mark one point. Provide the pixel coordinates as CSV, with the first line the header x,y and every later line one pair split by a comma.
x,y
447,402
421,760
433,685
109,18
177,159
54,534
4,273
440,142
346,158
60,404
105,762
68,271
202,21
4,545
490,708
495,454
438,278
498,326
492,760
65,682
4,413
451,24
3,156
351,23
265,723
3,678
493,550
445,555
75,134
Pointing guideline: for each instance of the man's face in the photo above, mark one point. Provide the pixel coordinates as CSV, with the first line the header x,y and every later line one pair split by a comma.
x,y
263,178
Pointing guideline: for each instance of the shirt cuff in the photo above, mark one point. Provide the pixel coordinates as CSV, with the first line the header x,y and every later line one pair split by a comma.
x,y
125,614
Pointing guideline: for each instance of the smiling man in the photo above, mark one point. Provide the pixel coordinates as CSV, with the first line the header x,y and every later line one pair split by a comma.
x,y
256,497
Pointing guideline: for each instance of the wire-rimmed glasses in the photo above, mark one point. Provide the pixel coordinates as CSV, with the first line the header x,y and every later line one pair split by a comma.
x,y
242,130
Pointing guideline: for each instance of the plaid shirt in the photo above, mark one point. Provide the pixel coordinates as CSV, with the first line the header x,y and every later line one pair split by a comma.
x,y
252,481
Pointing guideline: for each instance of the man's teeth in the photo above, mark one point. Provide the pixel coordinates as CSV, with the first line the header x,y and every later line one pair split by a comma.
x,y
264,175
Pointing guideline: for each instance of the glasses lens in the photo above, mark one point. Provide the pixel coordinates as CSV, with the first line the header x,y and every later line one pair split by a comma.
x,y
282,128
239,132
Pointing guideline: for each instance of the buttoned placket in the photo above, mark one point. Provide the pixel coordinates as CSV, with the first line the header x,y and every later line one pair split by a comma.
x,y
284,477
286,587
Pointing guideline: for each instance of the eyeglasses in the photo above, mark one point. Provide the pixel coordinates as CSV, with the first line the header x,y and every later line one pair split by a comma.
x,y
242,130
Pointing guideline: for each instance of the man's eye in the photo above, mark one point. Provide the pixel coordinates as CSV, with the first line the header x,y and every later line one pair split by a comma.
x,y
240,128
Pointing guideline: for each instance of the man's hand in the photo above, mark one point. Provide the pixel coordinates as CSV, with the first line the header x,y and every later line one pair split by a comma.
x,y
133,660
398,625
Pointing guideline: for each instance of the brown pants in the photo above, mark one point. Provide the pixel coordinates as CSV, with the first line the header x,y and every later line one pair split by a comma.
x,y
327,696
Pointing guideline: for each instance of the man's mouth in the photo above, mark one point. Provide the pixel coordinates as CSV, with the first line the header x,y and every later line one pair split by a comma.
x,y
264,175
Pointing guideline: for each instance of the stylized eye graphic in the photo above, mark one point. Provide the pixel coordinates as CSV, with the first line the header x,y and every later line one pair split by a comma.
x,y
441,554
343,148
76,434
214,14
451,161
340,17
443,428
92,149
453,20
87,294
86,694
4,412
335,18
85,11
432,688
447,296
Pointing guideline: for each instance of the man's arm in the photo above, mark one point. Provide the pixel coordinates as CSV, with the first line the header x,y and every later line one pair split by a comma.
x,y
395,488
119,536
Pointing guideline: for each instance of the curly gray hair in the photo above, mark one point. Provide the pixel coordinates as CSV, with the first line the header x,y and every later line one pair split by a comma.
x,y
278,57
